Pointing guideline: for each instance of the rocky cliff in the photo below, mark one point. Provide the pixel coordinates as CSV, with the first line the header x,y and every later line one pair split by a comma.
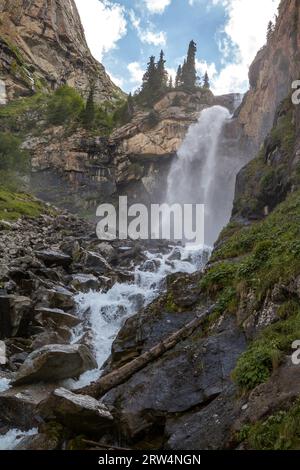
x,y
78,170
271,74
42,45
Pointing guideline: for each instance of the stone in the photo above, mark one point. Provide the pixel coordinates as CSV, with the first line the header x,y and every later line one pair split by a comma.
x,y
95,263
56,316
55,362
18,405
57,298
191,374
53,258
15,313
80,413
86,282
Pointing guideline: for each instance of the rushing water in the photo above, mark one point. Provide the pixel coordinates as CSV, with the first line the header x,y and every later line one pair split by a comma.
x,y
13,437
206,169
109,310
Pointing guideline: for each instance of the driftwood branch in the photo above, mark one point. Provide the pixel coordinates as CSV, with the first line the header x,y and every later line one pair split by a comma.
x,y
117,377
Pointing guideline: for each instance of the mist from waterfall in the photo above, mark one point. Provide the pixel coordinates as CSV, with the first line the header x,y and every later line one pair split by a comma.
x,y
205,170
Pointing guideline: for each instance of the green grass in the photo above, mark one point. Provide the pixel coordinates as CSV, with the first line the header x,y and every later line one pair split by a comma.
x,y
280,431
15,205
263,355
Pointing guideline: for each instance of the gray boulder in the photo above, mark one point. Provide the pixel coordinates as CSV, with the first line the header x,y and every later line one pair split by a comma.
x,y
55,362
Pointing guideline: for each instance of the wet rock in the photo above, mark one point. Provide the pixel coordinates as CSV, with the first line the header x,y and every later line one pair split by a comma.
x,y
18,405
191,374
15,314
80,413
51,337
95,263
38,442
57,298
207,429
87,282
107,251
55,316
53,258
55,362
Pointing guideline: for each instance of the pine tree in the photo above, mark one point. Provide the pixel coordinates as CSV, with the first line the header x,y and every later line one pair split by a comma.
x,y
130,106
178,80
170,84
89,112
270,30
149,81
206,83
161,74
189,75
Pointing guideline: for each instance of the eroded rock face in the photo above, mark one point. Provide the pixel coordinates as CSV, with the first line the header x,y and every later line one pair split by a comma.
x,y
271,75
43,44
55,362
78,412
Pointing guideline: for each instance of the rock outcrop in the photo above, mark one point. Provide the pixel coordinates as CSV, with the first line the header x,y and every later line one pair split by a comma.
x,y
271,74
42,46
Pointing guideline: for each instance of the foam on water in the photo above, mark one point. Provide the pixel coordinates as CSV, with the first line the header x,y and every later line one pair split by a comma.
x,y
13,437
4,385
109,310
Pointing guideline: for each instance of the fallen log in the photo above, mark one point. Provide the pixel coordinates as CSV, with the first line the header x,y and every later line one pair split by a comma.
x,y
117,377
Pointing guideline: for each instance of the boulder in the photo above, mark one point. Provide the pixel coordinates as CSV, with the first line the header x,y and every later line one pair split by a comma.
x,y
81,413
56,316
54,258
57,297
87,282
107,251
18,405
95,263
55,362
191,374
15,313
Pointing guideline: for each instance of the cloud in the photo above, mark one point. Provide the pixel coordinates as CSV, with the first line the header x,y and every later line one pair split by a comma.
x,y
157,6
136,72
243,35
104,23
147,35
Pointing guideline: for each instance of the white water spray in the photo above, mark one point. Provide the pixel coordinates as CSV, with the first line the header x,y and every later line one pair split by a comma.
x,y
205,170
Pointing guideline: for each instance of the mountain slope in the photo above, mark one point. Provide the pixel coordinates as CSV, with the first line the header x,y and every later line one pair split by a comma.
x,y
42,45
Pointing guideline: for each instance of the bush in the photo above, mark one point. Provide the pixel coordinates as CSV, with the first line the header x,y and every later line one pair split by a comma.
x,y
12,157
65,105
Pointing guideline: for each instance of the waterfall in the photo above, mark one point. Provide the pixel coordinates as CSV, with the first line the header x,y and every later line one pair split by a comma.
x,y
203,173
205,170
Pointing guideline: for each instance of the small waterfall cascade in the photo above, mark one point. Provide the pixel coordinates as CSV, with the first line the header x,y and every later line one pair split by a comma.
x,y
205,170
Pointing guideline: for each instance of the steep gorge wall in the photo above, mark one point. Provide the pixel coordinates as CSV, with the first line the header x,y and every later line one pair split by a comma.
x,y
42,44
271,74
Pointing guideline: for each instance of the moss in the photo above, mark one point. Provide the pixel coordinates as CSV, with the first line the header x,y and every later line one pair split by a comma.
x,y
265,353
280,431
14,205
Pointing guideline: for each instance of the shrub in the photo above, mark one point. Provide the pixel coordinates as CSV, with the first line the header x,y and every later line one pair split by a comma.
x,y
12,157
65,105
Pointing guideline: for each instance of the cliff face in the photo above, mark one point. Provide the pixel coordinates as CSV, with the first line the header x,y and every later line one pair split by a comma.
x,y
80,170
274,69
42,44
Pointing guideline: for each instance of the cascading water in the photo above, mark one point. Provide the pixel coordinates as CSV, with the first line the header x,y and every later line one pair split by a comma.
x,y
109,310
203,173
205,170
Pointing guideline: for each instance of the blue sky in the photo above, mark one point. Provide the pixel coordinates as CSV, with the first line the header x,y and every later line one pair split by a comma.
x,y
122,34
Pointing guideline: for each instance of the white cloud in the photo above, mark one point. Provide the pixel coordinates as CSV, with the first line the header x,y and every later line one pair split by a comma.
x,y
202,66
147,35
104,24
136,72
157,6
244,34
